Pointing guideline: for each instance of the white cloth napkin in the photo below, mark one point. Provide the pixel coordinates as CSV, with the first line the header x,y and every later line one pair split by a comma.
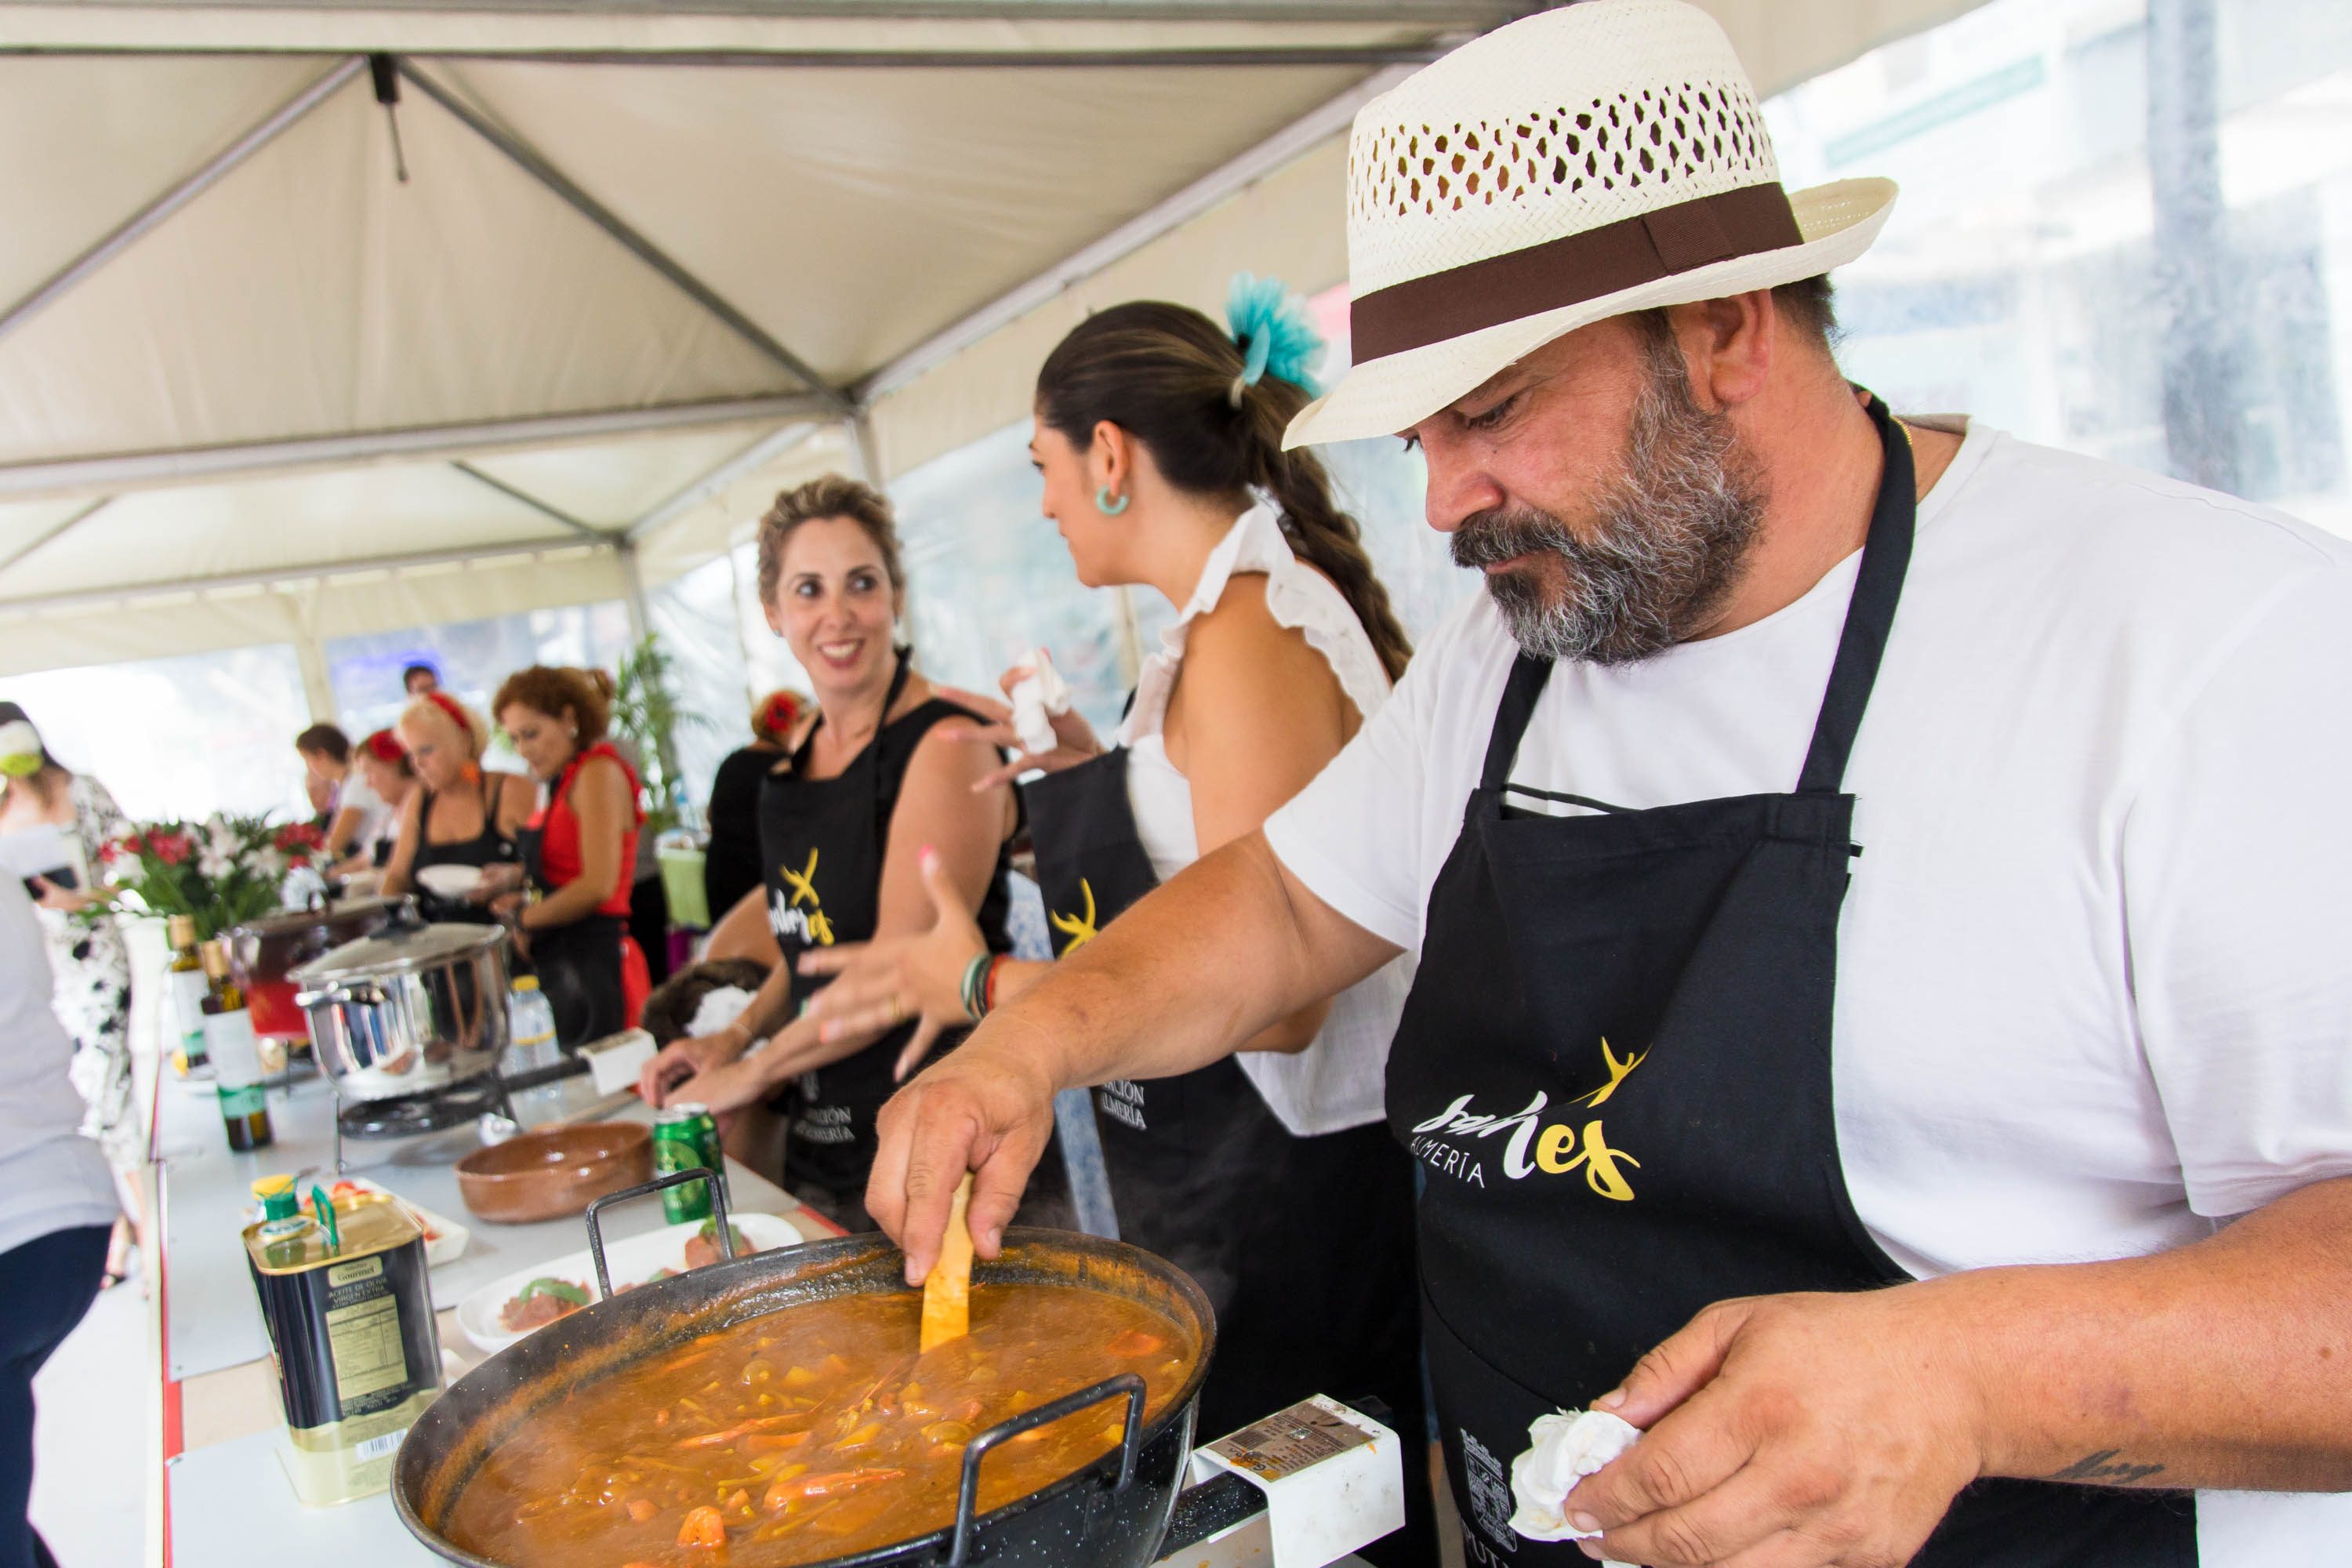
x,y
717,1009
1036,697
1562,1450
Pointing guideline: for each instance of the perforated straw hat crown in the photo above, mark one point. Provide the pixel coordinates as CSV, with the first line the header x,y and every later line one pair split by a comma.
x,y
1600,158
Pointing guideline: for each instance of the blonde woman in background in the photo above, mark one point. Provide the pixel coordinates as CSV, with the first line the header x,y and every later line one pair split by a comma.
x,y
459,814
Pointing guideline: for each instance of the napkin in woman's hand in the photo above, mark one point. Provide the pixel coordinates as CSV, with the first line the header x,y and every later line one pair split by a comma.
x,y
1036,697
1562,1450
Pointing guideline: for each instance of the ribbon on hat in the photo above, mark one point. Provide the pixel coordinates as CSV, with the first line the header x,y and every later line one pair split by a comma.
x,y
20,749
1644,248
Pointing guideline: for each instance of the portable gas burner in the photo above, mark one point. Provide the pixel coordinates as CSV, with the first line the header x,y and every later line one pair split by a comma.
x,y
432,1110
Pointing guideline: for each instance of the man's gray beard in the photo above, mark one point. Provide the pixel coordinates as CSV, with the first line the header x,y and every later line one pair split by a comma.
x,y
1664,544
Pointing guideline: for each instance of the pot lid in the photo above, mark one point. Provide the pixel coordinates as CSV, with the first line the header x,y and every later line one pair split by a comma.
x,y
400,948
336,913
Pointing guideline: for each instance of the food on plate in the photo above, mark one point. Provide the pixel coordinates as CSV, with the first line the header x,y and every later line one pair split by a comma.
x,y
702,1248
540,1303
811,1433
349,1195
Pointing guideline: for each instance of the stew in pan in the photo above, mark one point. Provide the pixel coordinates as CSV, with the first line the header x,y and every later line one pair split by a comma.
x,y
812,1433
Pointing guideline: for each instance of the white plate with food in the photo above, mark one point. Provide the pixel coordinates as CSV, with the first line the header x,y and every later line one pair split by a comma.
x,y
449,881
445,1239
505,1311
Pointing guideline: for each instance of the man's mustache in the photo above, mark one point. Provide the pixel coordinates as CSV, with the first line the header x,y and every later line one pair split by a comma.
x,y
1492,537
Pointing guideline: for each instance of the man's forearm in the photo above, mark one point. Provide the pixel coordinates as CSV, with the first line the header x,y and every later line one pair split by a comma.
x,y
1229,946
2223,1365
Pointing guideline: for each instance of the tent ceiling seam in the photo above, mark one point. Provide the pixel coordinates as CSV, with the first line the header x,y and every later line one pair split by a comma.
x,y
1367,56
296,576
765,449
53,532
533,502
129,231
181,465
537,166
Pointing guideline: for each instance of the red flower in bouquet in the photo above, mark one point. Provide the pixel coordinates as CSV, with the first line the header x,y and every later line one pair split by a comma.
x,y
298,841
172,848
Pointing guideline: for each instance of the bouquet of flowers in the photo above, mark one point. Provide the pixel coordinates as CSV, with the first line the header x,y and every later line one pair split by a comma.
x,y
223,870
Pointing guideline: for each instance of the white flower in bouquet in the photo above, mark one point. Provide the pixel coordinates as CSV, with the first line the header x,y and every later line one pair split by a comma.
x,y
216,850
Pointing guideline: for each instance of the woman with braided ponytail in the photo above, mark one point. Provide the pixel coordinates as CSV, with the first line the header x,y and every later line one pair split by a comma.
x,y
1269,1175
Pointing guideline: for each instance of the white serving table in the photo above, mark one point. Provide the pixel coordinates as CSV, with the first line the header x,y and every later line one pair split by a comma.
x,y
225,1500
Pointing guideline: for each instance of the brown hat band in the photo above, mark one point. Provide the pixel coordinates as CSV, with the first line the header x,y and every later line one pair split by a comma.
x,y
1573,268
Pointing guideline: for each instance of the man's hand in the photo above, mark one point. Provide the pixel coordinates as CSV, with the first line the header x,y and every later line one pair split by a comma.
x,y
985,1109
1792,1431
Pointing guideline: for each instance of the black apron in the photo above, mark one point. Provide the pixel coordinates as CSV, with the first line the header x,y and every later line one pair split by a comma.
x,y
1615,1063
1303,1246
820,845
488,847
578,964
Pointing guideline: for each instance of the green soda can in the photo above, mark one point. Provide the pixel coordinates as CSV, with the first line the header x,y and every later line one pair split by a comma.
x,y
685,1137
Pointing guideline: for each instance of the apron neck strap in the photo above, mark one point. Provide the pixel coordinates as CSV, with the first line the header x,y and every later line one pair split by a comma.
x,y
1518,705
1869,616
890,701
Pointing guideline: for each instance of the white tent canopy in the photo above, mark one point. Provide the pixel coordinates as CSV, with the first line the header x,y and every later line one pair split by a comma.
x,y
280,360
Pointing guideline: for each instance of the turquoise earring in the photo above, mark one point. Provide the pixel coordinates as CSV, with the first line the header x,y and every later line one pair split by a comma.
x,y
1109,504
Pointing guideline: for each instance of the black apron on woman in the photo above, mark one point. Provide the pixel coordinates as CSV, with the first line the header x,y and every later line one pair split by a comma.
x,y
1615,1062
578,963
488,847
1303,1246
820,845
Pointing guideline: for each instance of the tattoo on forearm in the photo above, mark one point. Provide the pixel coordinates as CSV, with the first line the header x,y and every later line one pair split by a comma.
x,y
2103,1469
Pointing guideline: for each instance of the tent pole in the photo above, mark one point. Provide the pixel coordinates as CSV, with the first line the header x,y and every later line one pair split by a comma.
x,y
860,425
633,592
310,655
533,163
129,232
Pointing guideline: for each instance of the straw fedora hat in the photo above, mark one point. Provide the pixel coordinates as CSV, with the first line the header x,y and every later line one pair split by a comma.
x,y
1576,164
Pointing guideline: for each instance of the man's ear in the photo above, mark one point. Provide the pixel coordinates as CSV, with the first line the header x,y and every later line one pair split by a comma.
x,y
1727,346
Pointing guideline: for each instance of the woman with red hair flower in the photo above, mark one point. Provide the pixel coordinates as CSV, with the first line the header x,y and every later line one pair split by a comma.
x,y
730,865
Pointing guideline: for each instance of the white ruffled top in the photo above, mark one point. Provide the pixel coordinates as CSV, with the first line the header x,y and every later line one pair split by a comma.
x,y
1337,1082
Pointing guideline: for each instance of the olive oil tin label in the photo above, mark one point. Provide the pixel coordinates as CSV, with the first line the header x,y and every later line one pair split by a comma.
x,y
351,1331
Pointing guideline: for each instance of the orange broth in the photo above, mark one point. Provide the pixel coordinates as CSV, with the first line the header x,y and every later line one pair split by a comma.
x,y
813,1433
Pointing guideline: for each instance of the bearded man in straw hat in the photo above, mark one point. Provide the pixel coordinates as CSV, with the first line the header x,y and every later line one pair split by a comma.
x,y
1881,1020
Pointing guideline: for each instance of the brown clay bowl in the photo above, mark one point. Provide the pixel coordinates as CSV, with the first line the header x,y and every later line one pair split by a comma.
x,y
558,1172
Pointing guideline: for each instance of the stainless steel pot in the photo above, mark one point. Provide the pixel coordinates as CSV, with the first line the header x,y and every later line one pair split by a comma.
x,y
411,1008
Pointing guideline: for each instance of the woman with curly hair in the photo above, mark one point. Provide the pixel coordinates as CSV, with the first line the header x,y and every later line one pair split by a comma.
x,y
578,849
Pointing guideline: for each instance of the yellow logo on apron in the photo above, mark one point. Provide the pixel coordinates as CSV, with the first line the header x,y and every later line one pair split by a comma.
x,y
803,886
1080,931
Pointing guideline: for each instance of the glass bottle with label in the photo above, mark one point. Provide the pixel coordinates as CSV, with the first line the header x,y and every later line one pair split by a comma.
x,y
236,1054
188,988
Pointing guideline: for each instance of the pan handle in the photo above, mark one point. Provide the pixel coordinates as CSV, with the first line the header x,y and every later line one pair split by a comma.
x,y
1125,1383
675,1179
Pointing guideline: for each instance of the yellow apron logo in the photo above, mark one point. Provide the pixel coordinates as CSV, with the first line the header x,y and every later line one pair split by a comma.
x,y
1080,931
1444,1142
803,886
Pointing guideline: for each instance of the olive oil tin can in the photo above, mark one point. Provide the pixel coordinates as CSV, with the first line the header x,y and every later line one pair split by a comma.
x,y
351,1331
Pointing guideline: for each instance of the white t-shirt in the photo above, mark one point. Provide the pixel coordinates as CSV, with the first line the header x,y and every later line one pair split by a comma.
x,y
377,818
51,1177
1335,1082
2093,993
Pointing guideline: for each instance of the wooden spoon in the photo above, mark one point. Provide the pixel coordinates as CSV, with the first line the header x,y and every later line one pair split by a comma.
x,y
946,1289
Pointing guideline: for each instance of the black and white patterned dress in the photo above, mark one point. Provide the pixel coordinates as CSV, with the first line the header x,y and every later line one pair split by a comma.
x,y
91,965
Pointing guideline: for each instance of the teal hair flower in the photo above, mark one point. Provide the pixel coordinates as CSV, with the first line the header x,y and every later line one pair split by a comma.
x,y
1270,326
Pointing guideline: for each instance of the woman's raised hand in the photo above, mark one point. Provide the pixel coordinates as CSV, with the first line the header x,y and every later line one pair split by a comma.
x,y
877,986
1074,737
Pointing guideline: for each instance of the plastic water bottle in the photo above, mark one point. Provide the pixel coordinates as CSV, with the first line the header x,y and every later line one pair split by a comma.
x,y
530,1027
